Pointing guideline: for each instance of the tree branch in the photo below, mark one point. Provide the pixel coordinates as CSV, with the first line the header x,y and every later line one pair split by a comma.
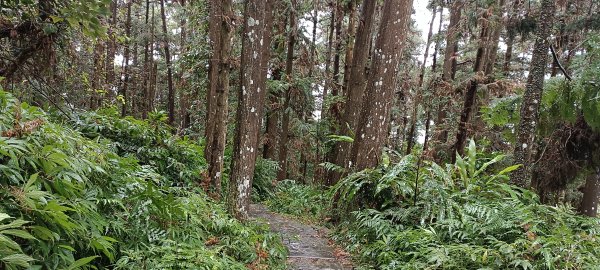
x,y
559,64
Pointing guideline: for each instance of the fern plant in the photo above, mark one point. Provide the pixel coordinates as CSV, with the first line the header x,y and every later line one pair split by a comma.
x,y
459,216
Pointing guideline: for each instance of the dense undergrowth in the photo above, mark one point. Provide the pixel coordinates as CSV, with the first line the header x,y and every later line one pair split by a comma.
x,y
101,191
457,216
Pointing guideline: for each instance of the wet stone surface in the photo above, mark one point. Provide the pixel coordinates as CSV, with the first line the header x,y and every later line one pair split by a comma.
x,y
307,245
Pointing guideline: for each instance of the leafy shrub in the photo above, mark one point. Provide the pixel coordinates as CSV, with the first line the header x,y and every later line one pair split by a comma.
x,y
461,216
149,141
265,174
92,203
303,201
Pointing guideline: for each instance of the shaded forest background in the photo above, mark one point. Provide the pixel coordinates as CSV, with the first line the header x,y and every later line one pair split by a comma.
x,y
318,91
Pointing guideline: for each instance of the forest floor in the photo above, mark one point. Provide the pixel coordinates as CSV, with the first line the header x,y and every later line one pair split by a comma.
x,y
308,245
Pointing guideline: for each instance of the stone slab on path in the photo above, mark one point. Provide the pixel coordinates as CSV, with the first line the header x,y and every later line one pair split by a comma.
x,y
308,248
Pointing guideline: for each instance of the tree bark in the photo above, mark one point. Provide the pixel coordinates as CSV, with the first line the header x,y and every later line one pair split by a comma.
x,y
427,45
510,38
471,93
375,112
285,121
356,85
171,91
221,14
410,138
111,51
449,68
350,37
591,195
125,76
532,97
251,96
147,66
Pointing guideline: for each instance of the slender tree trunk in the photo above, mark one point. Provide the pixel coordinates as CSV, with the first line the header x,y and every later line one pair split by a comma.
x,y
285,121
436,48
356,85
184,98
147,66
330,43
125,76
449,70
334,110
111,51
532,97
213,73
272,122
427,45
591,195
171,93
410,138
350,37
491,52
510,33
375,111
221,15
153,67
273,114
471,93
313,45
251,96
97,75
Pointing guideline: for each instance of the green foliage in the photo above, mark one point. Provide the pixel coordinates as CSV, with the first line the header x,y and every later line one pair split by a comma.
x,y
122,199
11,254
306,202
461,216
265,173
149,141
81,14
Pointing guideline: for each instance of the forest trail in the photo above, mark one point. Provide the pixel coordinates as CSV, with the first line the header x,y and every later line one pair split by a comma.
x,y
308,247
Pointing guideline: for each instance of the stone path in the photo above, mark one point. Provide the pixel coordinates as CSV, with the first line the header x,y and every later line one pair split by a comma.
x,y
308,248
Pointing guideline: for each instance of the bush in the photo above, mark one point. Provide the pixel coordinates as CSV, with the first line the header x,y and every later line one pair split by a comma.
x,y
299,200
460,216
120,200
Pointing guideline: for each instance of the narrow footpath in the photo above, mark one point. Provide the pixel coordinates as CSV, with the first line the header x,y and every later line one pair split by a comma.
x,y
308,247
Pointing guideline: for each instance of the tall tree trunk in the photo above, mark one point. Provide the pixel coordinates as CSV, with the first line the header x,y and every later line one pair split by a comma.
x,y
111,51
436,48
171,93
410,138
375,111
532,97
334,110
147,66
251,96
153,66
350,37
591,195
97,75
449,70
213,73
471,93
356,85
285,121
330,43
494,26
221,14
184,99
427,45
313,44
272,132
125,76
510,37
